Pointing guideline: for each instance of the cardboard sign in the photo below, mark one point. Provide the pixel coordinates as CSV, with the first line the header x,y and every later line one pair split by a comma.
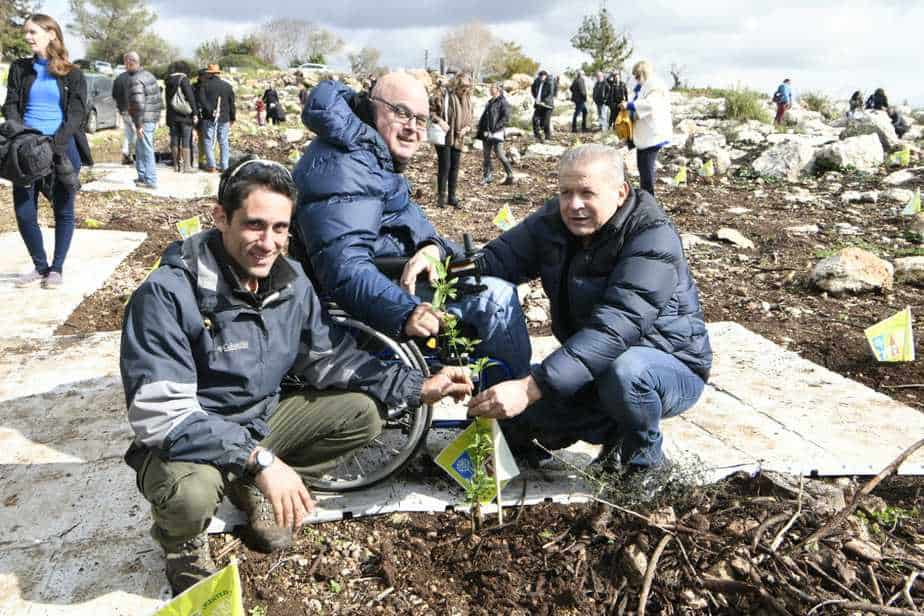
x,y
457,462
892,340
189,227
505,220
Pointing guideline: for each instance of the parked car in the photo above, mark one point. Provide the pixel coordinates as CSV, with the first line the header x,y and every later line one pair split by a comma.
x,y
102,111
118,70
313,66
102,67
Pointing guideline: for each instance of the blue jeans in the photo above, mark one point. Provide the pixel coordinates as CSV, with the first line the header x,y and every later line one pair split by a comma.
x,y
25,203
580,109
222,130
603,117
624,408
144,155
497,317
646,167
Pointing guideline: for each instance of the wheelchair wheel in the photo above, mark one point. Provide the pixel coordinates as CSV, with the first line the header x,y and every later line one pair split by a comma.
x,y
403,430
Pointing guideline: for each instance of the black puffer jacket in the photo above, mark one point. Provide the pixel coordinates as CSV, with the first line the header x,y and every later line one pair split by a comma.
x,y
616,92
494,118
630,287
174,81
579,90
601,92
144,102
549,89
73,89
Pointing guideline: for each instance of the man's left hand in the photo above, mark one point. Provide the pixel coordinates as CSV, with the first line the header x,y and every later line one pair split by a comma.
x,y
505,400
419,263
452,381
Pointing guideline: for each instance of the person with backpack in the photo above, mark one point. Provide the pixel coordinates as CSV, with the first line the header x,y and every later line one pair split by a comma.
x,y
181,113
274,112
48,93
783,99
218,113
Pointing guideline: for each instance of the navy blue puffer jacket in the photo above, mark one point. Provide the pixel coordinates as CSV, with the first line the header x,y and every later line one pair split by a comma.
x,y
352,207
630,287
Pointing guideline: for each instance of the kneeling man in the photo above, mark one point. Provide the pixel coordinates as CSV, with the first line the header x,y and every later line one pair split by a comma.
x,y
634,346
206,341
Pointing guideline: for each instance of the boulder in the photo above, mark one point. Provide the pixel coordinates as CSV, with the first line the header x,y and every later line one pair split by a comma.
x,y
799,116
294,135
786,160
873,123
910,270
707,144
735,237
898,195
897,178
852,270
863,153
855,196
750,136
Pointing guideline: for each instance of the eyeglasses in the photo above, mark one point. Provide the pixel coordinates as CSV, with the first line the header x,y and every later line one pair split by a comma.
x,y
403,114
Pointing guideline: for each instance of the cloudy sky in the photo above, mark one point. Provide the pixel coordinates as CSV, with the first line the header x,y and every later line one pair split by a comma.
x,y
833,46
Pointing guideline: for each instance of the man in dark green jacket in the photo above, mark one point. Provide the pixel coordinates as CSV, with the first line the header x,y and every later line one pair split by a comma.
x,y
634,346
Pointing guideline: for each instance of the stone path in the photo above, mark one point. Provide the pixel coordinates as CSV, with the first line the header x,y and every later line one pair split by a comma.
x,y
73,528
108,177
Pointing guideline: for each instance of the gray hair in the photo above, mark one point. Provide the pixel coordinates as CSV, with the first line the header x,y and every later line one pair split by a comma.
x,y
133,56
591,153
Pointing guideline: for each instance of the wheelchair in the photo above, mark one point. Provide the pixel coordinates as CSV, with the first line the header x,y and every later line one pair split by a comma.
x,y
404,430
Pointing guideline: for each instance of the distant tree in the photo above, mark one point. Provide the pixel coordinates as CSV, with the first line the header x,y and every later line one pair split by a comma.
x,y
111,27
318,44
467,47
154,50
507,59
282,40
240,52
208,51
678,74
598,38
13,14
365,62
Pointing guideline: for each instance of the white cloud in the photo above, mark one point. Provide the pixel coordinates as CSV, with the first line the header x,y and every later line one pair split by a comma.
x,y
831,46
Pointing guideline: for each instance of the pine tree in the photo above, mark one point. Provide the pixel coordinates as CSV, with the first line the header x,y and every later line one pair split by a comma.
x,y
598,38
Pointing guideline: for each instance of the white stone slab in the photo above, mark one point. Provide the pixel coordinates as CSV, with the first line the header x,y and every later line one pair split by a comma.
x,y
92,258
109,177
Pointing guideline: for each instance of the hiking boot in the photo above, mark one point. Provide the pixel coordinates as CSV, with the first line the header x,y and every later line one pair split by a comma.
x,y
188,562
32,279
53,280
262,533
454,202
508,181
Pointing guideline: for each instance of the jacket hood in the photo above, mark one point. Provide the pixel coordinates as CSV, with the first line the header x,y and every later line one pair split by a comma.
x,y
330,113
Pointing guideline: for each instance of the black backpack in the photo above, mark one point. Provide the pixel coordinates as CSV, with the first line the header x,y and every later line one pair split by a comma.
x,y
26,155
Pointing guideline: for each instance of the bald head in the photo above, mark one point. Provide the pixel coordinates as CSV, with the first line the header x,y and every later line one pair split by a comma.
x,y
403,92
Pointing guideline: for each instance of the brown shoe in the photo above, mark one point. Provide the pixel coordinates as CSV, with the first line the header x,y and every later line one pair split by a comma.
x,y
188,562
262,533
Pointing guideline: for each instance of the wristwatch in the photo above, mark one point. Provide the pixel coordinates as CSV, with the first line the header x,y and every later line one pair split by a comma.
x,y
263,460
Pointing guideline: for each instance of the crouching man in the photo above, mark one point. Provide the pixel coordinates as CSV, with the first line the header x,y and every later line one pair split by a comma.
x,y
207,338
634,346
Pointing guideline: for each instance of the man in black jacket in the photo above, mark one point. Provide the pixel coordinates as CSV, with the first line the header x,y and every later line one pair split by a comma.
x,y
600,95
624,306
579,98
616,94
120,95
544,89
218,113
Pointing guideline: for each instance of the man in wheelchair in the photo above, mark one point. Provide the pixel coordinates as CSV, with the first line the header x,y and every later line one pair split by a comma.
x,y
206,341
634,345
355,206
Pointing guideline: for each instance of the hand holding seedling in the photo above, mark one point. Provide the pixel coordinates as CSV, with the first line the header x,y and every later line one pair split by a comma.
x,y
423,322
424,260
505,400
450,381
286,491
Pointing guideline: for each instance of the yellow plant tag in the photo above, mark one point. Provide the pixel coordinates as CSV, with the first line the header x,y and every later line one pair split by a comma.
x,y
457,462
902,158
505,220
217,595
681,177
189,227
708,169
892,340
92,223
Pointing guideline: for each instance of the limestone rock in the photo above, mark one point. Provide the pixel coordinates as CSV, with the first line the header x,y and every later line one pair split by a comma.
x,y
863,153
910,270
786,160
803,230
898,195
916,228
707,144
544,150
852,270
897,178
873,123
294,135
734,237
691,241
855,196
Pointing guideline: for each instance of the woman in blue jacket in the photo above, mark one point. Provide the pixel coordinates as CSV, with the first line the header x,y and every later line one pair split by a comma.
x,y
48,93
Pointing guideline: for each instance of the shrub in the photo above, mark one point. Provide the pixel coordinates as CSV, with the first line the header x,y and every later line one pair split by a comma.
x,y
816,101
744,104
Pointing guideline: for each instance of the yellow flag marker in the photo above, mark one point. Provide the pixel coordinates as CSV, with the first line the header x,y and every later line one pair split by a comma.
x,y
681,177
217,595
457,462
708,169
92,223
188,227
505,220
892,340
902,158
914,204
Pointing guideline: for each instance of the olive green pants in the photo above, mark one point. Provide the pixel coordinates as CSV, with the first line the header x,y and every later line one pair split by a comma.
x,y
309,431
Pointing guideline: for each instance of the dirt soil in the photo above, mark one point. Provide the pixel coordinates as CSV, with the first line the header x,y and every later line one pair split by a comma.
x,y
579,559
